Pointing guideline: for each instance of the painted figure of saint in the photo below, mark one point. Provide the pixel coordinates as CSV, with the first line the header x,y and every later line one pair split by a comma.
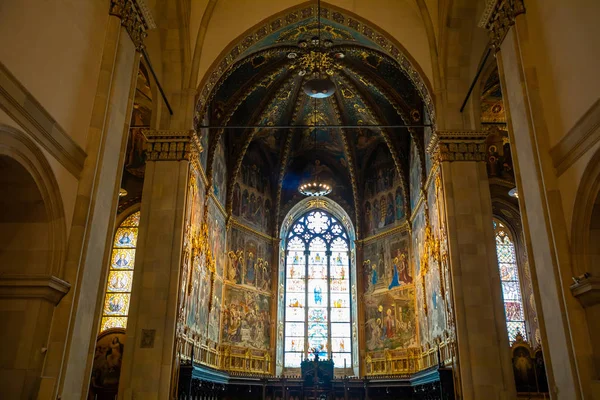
x,y
382,212
389,214
390,324
368,218
374,275
395,280
121,262
125,239
250,273
375,214
404,270
399,204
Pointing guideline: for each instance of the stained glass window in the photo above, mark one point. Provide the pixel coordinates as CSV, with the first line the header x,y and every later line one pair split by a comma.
x,y
120,274
509,278
317,291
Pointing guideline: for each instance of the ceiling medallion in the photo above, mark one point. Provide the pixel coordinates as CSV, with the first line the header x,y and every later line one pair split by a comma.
x,y
314,187
314,60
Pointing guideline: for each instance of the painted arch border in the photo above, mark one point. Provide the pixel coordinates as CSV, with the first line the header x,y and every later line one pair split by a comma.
x,y
276,22
337,211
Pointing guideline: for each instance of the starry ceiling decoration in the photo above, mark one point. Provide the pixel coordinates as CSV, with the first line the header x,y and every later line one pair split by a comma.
x,y
264,89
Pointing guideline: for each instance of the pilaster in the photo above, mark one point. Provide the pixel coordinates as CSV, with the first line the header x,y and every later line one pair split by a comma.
x,y
565,340
483,350
148,362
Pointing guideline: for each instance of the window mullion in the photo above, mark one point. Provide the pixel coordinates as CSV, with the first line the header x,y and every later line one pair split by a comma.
x,y
328,255
306,257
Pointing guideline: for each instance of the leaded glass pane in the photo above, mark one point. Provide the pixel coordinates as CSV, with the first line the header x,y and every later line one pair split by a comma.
x,y
292,360
310,277
116,304
342,359
509,276
113,322
126,238
123,258
294,343
340,314
340,329
120,275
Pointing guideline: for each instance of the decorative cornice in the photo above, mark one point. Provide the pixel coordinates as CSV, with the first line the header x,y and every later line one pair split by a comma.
x,y
584,134
404,227
235,222
135,17
498,17
163,145
458,146
46,287
20,105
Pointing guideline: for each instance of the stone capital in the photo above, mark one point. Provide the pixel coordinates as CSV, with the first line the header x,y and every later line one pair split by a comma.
x,y
164,145
46,287
458,146
135,17
498,17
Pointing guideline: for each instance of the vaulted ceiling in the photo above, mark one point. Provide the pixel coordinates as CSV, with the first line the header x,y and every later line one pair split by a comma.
x,y
263,88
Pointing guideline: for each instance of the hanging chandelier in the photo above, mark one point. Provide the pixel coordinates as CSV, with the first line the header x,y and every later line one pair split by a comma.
x,y
316,63
314,186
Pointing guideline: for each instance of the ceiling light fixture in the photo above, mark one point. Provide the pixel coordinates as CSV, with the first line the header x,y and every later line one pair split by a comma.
x,y
317,62
514,193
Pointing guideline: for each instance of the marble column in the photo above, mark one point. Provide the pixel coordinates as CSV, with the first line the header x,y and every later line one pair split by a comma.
x,y
148,369
563,324
483,350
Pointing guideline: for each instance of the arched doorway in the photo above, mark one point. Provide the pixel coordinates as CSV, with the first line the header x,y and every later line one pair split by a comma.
x,y
31,237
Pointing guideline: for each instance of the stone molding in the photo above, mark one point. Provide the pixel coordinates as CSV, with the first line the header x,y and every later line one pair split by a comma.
x,y
135,16
164,145
20,105
584,134
458,146
46,287
498,17
587,291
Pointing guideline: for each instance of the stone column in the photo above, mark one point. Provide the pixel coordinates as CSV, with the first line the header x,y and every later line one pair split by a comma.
x,y
147,371
72,338
483,349
563,325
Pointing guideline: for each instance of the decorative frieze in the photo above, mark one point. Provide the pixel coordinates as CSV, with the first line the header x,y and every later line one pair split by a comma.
x,y
458,146
135,17
163,145
498,17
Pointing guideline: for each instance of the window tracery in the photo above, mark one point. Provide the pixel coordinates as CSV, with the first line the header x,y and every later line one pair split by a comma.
x,y
317,291
120,274
511,286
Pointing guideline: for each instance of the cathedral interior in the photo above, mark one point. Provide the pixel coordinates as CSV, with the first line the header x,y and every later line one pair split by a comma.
x,y
289,200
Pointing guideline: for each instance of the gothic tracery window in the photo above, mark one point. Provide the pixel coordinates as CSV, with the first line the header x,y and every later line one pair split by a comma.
x,y
317,292
120,275
511,285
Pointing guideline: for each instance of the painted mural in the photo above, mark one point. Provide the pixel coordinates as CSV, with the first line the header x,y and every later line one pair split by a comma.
x,y
384,198
217,232
220,173
246,318
106,368
252,193
249,261
415,176
389,294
